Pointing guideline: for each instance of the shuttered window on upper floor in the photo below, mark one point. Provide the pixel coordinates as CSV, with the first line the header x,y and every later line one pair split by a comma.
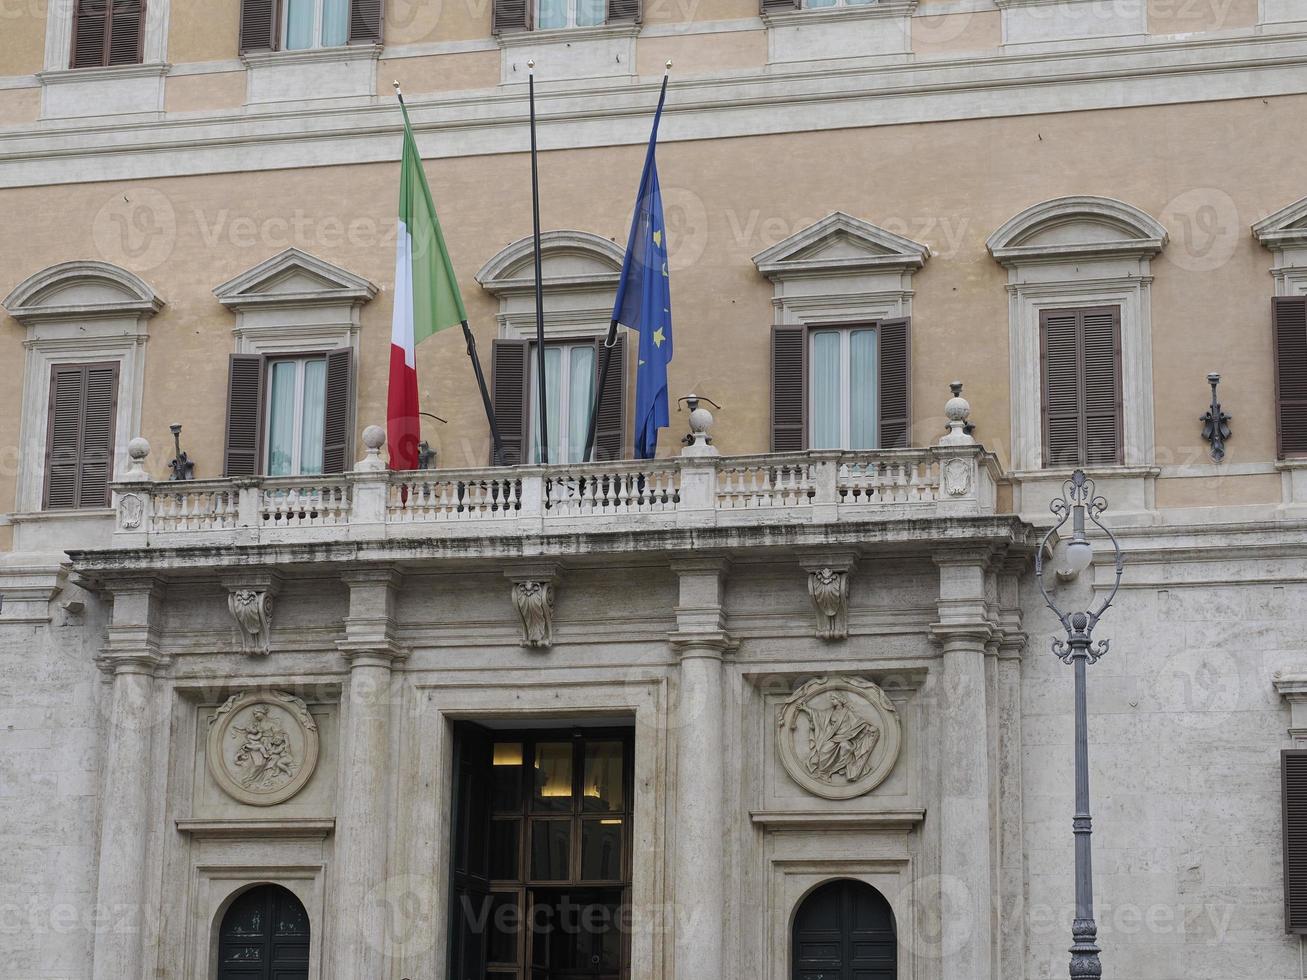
x,y
107,32
1080,355
1293,770
1289,325
544,15
83,409
846,386
292,25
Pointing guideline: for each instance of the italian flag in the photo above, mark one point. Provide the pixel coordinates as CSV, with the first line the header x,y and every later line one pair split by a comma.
x,y
426,300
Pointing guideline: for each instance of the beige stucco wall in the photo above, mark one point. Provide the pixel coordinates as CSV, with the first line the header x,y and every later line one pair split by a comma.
x,y
203,32
1193,16
946,184
22,36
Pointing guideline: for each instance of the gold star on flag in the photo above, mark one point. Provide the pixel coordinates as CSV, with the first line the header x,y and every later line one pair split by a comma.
x,y
658,238
659,337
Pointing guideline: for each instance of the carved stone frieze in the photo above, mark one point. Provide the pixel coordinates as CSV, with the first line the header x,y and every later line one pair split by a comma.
x,y
839,737
263,747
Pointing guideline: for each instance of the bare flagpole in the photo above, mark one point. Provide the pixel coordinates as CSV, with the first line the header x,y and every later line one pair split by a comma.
x,y
542,430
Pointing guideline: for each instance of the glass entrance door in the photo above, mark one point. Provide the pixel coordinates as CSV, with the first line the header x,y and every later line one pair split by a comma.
x,y
576,935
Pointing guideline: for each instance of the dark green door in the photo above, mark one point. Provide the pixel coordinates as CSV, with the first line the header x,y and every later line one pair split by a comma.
x,y
845,931
264,936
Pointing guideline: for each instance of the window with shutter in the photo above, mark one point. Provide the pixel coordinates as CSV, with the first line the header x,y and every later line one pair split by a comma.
x,y
512,15
107,32
1290,336
1293,766
508,372
83,412
292,25
1080,352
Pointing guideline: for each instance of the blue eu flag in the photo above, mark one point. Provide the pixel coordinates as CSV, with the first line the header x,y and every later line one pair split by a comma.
x,y
644,301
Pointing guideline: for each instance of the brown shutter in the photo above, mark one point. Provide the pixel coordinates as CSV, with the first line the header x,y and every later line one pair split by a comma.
x,y
1080,354
780,6
789,388
365,22
508,369
126,32
90,30
511,15
610,432
83,407
625,10
894,338
1289,324
336,418
259,25
1293,768
1100,331
244,415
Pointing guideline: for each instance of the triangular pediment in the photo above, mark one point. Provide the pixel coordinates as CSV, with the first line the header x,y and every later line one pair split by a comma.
x,y
568,260
1287,226
294,277
78,289
840,242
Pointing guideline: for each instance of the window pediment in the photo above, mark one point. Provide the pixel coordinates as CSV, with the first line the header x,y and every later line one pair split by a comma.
x,y
1287,227
840,243
294,278
1077,227
569,260
81,289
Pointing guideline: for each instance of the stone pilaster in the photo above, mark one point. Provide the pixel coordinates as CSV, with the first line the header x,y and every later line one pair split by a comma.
x,y
131,658
363,823
964,632
699,818
1011,872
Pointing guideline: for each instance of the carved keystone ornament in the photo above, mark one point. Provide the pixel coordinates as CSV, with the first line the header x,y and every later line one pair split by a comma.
x,y
839,737
263,747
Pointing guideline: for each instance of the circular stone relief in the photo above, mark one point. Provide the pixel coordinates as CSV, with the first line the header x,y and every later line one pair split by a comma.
x,y
263,747
839,737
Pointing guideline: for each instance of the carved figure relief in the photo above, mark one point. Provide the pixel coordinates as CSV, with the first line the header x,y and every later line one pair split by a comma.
x,y
535,606
829,589
839,737
252,610
263,747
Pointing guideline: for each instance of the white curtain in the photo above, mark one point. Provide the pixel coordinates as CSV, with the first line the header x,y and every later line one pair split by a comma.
x,y
335,23
553,378
580,392
591,13
862,389
825,387
553,13
314,406
299,24
281,418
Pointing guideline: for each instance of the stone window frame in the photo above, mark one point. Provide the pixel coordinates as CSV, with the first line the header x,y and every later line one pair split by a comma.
x,y
1076,252
105,319
59,36
1285,234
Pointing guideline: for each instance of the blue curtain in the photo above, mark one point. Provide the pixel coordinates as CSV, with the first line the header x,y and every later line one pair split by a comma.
x,y
335,23
825,387
299,24
862,389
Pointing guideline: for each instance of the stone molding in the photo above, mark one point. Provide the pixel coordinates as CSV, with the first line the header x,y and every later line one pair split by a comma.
x,y
244,828
1292,687
101,290
1136,233
1285,234
313,282
826,820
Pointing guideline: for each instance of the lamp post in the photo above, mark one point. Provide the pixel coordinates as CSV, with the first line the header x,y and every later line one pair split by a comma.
x,y
1077,502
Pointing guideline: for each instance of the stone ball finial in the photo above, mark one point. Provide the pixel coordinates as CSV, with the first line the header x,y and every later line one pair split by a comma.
x,y
698,443
957,409
374,437
138,448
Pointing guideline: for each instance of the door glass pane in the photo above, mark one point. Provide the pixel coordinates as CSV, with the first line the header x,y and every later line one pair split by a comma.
x,y
602,785
335,23
601,850
281,417
504,928
506,777
862,389
551,850
505,836
313,407
591,13
299,24
553,778
580,392
825,371
553,14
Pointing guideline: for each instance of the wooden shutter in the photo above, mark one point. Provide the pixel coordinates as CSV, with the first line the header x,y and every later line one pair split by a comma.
x,y
625,11
365,21
508,370
610,433
1289,324
260,21
107,32
83,409
780,6
90,30
789,388
244,415
336,425
511,15
1293,768
894,338
1080,354
126,32
470,853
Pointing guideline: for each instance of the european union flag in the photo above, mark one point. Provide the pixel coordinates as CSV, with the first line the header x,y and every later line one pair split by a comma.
x,y
644,301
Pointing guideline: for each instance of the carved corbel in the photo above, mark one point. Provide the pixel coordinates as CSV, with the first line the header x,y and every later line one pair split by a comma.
x,y
829,576
533,597
250,600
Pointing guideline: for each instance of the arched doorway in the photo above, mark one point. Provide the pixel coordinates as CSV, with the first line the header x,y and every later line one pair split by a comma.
x,y
264,936
844,931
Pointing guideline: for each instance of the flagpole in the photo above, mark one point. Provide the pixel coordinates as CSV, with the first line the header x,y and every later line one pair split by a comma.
x,y
489,405
542,429
611,340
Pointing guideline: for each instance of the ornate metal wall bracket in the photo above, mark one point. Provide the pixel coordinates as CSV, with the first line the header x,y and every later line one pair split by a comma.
x,y
1216,423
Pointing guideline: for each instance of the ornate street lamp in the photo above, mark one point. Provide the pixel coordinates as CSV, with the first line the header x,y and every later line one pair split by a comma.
x,y
1080,650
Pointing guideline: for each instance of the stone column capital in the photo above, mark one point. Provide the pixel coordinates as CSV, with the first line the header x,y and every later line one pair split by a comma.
x,y
703,645
386,576
962,636
371,653
533,571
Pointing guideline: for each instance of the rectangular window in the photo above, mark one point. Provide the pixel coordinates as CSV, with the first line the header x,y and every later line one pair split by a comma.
x,y
107,32
570,380
558,14
295,412
843,383
79,442
1081,386
298,25
315,23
